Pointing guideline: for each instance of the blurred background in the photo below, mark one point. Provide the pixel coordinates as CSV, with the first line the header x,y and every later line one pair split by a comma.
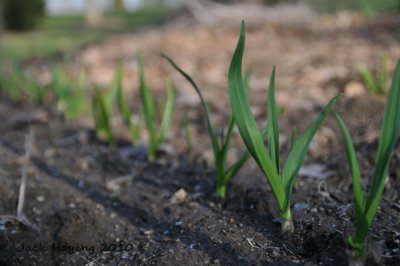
x,y
55,25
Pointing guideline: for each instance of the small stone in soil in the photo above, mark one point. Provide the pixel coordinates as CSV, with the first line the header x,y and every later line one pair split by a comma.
x,y
179,196
40,198
301,205
147,232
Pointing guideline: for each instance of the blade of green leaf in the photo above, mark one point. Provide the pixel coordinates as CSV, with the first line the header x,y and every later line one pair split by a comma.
x,y
210,128
359,198
112,94
272,125
121,100
368,78
101,116
233,169
245,121
147,101
389,135
300,147
168,111
227,141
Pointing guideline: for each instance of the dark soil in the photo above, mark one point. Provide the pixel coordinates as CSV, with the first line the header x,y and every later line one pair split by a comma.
x,y
92,204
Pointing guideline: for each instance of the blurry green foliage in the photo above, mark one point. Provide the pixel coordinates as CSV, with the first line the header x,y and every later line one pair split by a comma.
x,y
66,33
22,14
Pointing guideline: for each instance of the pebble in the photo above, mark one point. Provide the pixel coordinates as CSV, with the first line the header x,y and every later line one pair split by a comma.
x,y
354,89
191,246
178,197
301,205
178,223
147,232
40,198
118,183
314,210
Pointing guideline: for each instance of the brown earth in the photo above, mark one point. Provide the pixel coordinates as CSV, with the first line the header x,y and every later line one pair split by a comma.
x,y
91,203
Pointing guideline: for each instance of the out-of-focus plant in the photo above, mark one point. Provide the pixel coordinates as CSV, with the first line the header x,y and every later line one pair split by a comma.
x,y
149,111
70,96
37,92
11,82
15,84
365,206
101,115
133,127
377,85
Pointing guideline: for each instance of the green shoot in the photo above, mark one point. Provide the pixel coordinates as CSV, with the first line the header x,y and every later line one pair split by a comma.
x,y
188,135
134,128
220,145
366,205
36,92
281,181
11,83
376,85
101,116
70,96
148,106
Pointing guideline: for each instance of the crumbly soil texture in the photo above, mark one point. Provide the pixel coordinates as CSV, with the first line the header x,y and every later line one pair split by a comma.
x,y
88,203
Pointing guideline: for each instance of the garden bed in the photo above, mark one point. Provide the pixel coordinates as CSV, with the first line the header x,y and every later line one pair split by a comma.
x,y
91,203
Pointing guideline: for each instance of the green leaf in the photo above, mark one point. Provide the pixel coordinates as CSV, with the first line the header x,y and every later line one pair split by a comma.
x,y
389,135
227,141
210,128
358,194
121,101
123,105
368,78
168,112
272,125
300,147
242,160
101,116
245,121
148,106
